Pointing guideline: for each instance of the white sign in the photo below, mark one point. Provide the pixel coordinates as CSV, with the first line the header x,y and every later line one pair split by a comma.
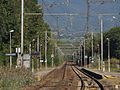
x,y
10,54
26,60
26,64
52,55
17,50
41,60
26,57
86,56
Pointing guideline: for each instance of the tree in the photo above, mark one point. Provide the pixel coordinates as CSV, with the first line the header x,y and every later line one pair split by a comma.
x,y
114,35
10,18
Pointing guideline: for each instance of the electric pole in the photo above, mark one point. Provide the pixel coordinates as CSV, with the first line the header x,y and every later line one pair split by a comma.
x,y
22,25
81,54
88,16
92,47
108,54
99,64
58,27
46,49
38,51
71,19
101,29
85,62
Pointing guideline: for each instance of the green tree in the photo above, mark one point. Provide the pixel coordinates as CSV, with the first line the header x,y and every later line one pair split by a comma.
x,y
114,35
10,18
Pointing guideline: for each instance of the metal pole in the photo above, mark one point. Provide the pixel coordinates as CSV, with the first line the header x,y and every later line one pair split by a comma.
x,y
46,49
81,55
38,43
52,62
22,22
52,56
40,56
88,15
92,45
10,48
32,64
38,51
10,52
85,63
18,57
101,27
108,54
58,27
73,56
32,57
30,52
98,58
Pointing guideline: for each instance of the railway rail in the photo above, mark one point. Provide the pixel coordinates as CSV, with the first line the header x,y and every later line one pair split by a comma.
x,y
67,77
87,81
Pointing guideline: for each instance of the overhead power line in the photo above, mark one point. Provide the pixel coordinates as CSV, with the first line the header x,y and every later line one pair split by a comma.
x,y
88,9
102,1
71,14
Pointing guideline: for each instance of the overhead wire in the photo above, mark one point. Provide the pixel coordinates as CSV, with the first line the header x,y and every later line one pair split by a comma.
x,y
55,17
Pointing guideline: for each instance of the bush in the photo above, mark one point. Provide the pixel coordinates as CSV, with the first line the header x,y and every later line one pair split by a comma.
x,y
114,64
15,79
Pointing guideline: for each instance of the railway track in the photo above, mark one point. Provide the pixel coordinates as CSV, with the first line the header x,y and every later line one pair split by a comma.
x,y
87,81
67,77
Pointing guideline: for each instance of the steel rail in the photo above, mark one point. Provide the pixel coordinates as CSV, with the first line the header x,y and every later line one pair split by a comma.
x,y
99,84
82,82
64,70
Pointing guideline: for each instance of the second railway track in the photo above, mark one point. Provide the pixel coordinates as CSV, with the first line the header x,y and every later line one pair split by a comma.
x,y
87,81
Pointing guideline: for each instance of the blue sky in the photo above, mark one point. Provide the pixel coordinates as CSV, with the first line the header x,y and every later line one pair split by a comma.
x,y
77,24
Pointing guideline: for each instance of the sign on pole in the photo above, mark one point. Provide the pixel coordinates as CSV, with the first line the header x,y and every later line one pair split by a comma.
x,y
26,56
52,55
41,60
10,54
26,60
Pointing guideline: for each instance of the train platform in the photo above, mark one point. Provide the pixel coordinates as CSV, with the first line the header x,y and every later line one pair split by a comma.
x,y
106,74
103,74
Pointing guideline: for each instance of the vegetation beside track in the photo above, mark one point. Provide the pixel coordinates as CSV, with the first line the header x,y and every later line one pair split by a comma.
x,y
111,83
15,79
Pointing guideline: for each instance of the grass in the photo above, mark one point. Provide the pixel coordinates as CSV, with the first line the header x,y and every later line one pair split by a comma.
x,y
15,79
114,65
